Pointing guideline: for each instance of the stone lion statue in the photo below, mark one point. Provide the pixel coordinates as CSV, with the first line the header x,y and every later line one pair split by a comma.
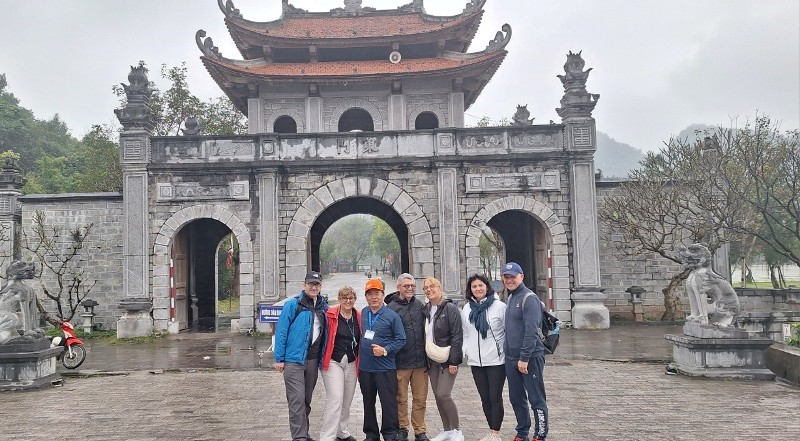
x,y
711,298
18,313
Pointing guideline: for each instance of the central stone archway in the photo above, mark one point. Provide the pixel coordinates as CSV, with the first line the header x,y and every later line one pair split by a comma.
x,y
298,240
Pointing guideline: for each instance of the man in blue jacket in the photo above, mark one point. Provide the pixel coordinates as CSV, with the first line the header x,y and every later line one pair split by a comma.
x,y
382,335
524,355
299,345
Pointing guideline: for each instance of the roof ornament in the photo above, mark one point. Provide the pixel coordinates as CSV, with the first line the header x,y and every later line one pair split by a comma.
x,y
577,102
415,6
207,47
290,9
192,127
500,41
136,113
473,6
228,9
520,117
352,6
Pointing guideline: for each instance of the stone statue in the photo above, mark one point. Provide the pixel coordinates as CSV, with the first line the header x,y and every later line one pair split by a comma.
x,y
18,313
521,116
711,297
192,127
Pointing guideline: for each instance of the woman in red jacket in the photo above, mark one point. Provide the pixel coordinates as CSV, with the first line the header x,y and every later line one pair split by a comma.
x,y
340,366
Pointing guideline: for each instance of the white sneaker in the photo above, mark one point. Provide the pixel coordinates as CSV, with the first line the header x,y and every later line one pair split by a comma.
x,y
492,437
443,436
456,435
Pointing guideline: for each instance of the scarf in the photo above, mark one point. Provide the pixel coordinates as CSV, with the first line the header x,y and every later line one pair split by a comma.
x,y
477,315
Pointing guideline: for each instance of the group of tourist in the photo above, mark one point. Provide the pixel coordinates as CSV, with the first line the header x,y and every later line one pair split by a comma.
x,y
398,342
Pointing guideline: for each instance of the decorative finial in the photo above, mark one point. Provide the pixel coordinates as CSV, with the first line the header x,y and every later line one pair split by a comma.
x,y
577,102
352,6
500,41
136,114
192,127
520,117
207,47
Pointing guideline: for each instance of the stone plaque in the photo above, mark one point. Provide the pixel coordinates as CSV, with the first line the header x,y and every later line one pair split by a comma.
x,y
134,149
239,190
489,182
194,191
533,140
582,137
445,143
268,148
230,149
485,143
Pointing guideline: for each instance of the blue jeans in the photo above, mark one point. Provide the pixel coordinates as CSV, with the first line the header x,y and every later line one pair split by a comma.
x,y
528,389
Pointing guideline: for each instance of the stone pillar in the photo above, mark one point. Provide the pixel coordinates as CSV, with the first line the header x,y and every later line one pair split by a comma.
x,y
456,109
268,234
137,123
11,182
576,109
255,117
397,114
314,114
448,232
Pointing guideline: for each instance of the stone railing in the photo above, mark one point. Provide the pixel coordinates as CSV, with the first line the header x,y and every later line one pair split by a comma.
x,y
359,145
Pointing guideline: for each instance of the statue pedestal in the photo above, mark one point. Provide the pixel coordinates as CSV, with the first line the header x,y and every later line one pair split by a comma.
x,y
26,365
716,352
590,311
136,320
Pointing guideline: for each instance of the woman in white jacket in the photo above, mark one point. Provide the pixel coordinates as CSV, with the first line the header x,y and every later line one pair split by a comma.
x,y
483,321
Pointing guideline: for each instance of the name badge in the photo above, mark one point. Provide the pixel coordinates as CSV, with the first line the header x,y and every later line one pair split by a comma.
x,y
369,334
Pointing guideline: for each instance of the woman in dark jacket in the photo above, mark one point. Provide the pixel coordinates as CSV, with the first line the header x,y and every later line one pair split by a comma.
x,y
444,328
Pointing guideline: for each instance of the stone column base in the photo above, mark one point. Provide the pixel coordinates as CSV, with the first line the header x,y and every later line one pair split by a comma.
x,y
136,320
27,365
590,311
716,352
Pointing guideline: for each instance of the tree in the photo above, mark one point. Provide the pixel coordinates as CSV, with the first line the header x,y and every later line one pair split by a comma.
x,y
98,158
384,243
491,248
351,237
62,277
171,108
755,170
660,208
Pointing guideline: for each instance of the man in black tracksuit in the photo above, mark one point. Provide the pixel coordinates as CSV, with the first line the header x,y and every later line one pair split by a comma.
x,y
411,360
524,355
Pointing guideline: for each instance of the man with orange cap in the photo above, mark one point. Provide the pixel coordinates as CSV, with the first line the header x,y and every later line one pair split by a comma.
x,y
382,336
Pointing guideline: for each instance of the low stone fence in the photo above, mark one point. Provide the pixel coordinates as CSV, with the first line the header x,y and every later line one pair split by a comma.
x,y
784,360
766,311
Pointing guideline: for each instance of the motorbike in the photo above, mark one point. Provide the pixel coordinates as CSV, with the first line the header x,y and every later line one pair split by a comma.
x,y
74,352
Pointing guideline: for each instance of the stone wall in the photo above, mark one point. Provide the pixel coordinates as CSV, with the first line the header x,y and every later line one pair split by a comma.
x,y
274,108
436,103
101,257
618,273
376,105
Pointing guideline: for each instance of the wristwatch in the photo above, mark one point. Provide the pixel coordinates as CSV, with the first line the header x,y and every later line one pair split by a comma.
x,y
385,352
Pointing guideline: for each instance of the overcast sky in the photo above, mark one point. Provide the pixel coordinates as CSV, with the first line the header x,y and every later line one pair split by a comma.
x,y
658,66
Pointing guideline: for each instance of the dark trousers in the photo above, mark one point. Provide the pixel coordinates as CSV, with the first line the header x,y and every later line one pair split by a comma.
x,y
525,389
300,381
490,381
384,385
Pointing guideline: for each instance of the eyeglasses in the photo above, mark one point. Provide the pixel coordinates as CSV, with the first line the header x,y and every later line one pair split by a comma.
x,y
347,299
428,288
408,286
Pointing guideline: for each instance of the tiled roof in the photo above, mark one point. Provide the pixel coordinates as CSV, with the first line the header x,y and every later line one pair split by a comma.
x,y
316,28
356,68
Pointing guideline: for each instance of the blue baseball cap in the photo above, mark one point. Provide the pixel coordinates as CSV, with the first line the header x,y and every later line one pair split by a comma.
x,y
512,268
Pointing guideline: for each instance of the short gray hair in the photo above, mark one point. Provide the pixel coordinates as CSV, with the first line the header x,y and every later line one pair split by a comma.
x,y
405,276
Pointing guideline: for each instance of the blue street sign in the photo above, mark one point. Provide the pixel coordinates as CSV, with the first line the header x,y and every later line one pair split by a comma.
x,y
269,313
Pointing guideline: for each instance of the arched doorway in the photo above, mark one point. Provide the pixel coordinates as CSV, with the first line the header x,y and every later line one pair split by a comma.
x,y
356,119
285,124
359,205
194,257
526,242
426,120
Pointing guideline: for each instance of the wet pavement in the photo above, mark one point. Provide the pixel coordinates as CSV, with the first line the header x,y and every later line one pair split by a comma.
x,y
601,385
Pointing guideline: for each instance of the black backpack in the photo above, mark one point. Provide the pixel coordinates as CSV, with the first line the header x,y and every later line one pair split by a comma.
x,y
548,333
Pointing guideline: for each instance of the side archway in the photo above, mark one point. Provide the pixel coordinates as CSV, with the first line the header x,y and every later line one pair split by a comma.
x,y
298,255
299,120
161,257
417,111
555,237
344,106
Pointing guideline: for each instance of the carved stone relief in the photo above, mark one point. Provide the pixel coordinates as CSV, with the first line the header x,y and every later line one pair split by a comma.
x,y
582,136
230,150
487,182
533,140
134,150
194,191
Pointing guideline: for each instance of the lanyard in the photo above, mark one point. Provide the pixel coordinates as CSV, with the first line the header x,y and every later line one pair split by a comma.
x,y
372,319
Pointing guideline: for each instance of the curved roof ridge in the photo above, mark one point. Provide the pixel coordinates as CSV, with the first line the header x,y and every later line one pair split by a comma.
x,y
288,11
